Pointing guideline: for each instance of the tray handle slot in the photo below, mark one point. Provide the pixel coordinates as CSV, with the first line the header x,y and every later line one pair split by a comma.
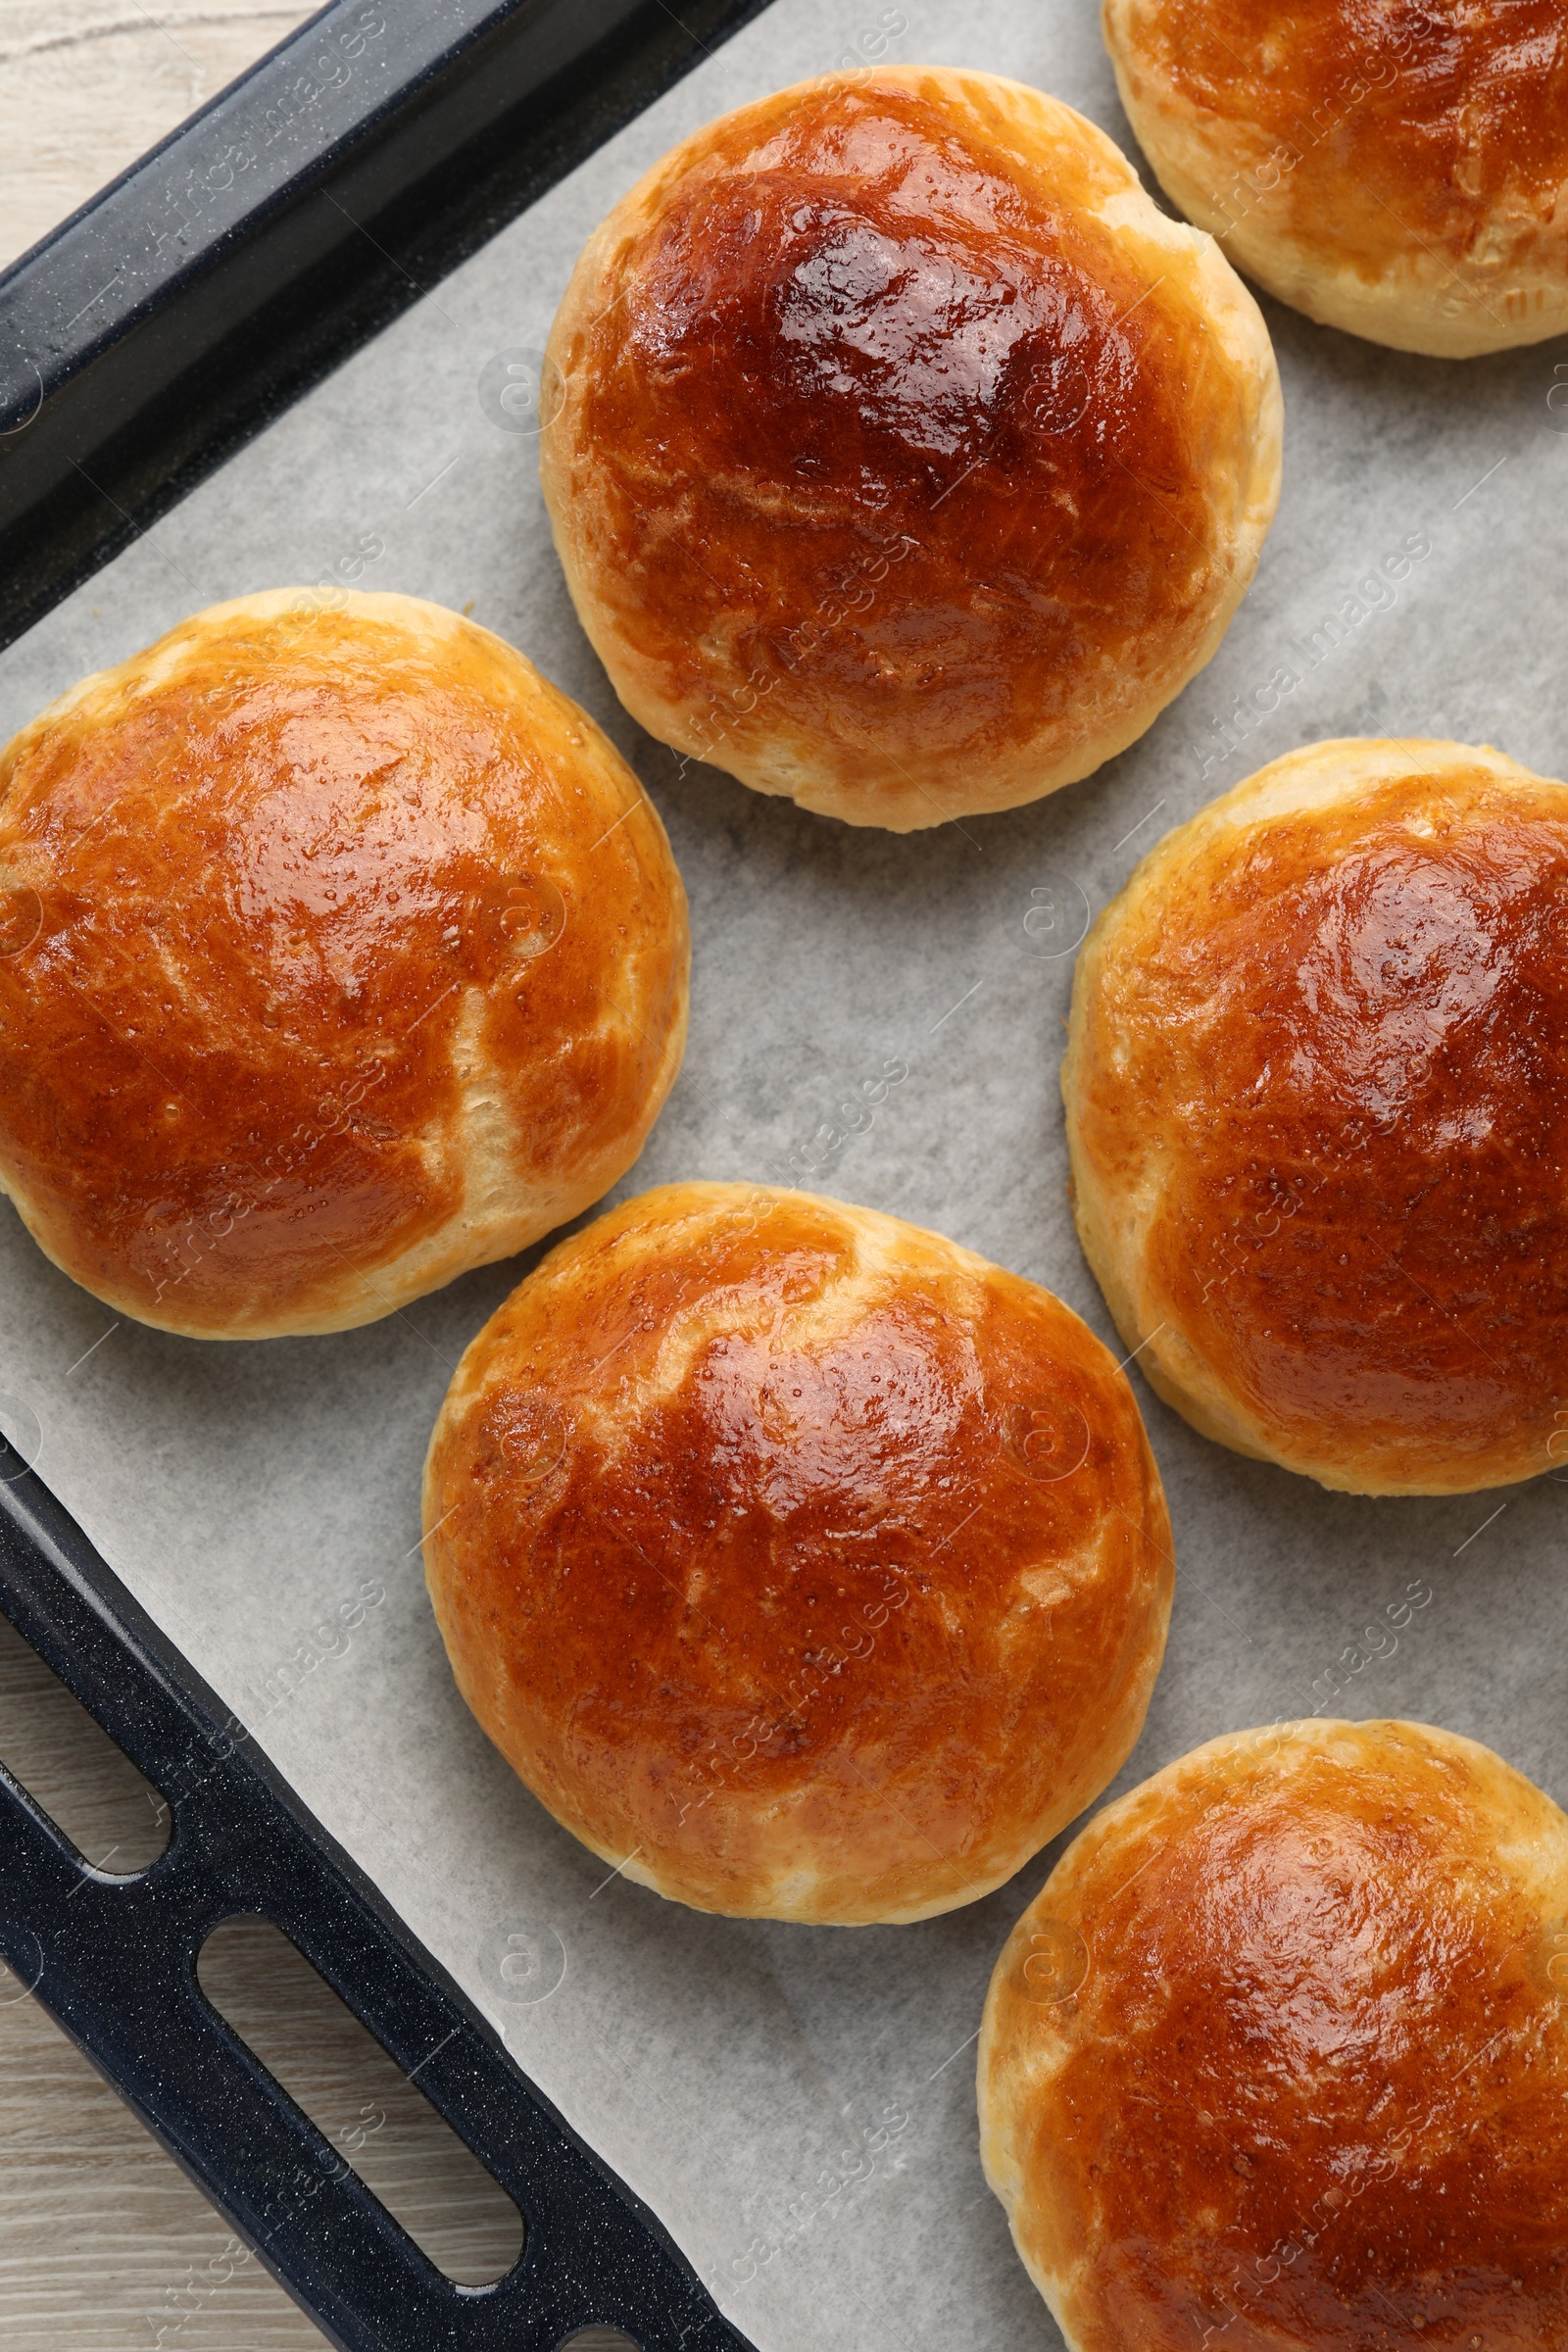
x,y
360,2100
71,1768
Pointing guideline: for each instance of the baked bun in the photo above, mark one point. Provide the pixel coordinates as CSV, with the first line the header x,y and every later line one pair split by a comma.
x,y
1317,1108
906,461
1401,174
339,952
805,1565
1279,2054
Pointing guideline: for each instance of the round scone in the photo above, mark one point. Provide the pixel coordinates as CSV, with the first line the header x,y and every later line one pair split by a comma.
x,y
903,457
1317,1108
1401,172
805,1565
1277,2057
339,952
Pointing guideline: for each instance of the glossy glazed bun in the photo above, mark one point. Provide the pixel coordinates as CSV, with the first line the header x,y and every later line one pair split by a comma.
x,y
907,459
1317,1107
803,1557
1399,170
331,963
1279,2055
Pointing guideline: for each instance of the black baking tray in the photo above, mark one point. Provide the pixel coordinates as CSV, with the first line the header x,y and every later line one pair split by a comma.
x,y
140,343
297,214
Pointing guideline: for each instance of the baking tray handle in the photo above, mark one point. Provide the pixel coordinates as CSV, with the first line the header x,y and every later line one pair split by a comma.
x,y
114,1960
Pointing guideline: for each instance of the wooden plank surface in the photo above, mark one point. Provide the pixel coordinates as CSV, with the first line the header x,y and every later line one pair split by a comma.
x,y
103,2244
87,86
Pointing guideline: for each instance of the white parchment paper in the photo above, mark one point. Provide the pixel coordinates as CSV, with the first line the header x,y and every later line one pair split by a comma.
x,y
798,2104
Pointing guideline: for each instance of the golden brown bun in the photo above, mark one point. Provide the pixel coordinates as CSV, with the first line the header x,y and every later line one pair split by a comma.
x,y
331,963
799,1561
1278,2058
908,460
1317,1109
1400,174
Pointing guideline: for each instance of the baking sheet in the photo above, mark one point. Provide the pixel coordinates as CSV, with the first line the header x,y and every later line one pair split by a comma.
x,y
798,2104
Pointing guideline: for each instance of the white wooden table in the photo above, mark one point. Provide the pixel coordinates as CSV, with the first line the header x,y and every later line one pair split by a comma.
x,y
87,86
